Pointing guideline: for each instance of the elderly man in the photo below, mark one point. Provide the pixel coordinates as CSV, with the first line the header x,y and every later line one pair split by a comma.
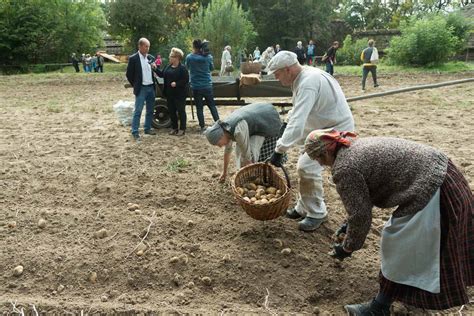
x,y
254,129
318,103
139,74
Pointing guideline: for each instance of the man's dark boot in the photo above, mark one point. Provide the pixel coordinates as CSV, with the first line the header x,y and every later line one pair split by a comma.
x,y
372,308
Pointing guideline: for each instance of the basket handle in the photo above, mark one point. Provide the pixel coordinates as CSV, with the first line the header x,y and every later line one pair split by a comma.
x,y
284,172
286,176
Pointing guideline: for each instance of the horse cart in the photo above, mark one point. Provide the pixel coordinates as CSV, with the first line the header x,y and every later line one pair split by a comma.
x,y
228,91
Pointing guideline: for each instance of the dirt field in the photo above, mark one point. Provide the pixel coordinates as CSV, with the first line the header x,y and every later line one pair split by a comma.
x,y
66,159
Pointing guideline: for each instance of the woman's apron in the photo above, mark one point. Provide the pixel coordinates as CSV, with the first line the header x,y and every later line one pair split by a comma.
x,y
410,248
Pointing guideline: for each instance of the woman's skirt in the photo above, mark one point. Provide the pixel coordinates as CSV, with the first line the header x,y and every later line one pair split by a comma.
x,y
456,254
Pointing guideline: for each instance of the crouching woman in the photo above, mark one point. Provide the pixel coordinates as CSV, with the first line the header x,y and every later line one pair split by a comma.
x,y
427,245
254,128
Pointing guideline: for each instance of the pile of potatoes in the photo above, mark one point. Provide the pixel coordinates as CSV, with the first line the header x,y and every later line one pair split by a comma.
x,y
259,193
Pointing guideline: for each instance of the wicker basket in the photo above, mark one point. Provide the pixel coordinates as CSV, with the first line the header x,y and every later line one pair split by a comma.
x,y
265,173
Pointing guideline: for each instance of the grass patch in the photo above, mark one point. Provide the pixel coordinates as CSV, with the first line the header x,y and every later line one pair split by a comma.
x,y
177,165
54,108
451,67
108,67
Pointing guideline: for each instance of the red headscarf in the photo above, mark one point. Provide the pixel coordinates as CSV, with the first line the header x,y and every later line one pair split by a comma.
x,y
319,142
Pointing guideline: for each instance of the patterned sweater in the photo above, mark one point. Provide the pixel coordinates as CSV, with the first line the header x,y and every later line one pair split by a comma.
x,y
385,172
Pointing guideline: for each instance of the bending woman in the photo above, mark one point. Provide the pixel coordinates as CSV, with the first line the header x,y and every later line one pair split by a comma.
x,y
254,128
427,245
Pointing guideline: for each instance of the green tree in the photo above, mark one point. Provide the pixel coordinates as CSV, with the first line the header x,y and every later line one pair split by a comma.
x,y
132,19
288,21
426,41
35,31
349,53
222,22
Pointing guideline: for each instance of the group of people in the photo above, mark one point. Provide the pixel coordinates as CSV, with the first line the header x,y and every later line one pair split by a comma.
x,y
427,245
141,71
94,63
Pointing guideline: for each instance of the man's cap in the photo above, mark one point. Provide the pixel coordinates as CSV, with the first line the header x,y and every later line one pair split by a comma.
x,y
281,60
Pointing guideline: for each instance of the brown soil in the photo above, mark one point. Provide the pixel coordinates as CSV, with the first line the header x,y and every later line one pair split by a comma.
x,y
66,159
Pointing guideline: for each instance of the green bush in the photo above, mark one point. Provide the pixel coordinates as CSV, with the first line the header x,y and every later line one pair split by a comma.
x,y
461,27
429,41
349,53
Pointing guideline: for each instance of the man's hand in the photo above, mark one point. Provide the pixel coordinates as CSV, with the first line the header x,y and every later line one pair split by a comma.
x,y
173,84
276,159
339,253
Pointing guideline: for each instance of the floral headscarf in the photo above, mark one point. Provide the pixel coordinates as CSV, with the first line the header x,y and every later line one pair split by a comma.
x,y
320,142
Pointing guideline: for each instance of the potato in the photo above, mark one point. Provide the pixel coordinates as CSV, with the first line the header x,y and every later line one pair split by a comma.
x,y
263,201
270,196
261,187
18,270
278,192
261,191
253,199
271,190
251,193
247,199
258,196
273,200
251,186
240,191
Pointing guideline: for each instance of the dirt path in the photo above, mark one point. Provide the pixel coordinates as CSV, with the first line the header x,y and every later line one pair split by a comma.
x,y
65,159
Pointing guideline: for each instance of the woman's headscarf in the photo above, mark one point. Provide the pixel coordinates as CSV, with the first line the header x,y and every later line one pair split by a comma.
x,y
319,142
216,131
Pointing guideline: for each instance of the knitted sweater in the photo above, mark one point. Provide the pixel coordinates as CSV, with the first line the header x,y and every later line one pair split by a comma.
x,y
385,172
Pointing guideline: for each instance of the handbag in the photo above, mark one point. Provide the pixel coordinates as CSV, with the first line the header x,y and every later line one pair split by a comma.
x,y
229,68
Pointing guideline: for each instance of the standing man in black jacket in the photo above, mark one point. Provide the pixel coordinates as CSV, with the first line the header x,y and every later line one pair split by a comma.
x,y
140,75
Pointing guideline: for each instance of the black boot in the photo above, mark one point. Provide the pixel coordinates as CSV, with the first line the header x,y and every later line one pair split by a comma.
x,y
372,308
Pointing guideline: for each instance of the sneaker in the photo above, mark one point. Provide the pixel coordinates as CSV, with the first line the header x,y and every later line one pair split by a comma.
x,y
368,309
376,85
309,223
150,132
180,133
292,213
173,132
136,137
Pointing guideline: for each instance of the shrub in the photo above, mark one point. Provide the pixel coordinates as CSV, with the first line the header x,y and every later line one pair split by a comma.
x,y
461,27
349,53
429,41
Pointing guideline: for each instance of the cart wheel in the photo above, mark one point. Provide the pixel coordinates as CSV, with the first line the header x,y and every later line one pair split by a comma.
x,y
161,116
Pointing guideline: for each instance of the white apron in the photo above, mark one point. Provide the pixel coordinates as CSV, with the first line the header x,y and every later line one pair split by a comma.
x,y
410,248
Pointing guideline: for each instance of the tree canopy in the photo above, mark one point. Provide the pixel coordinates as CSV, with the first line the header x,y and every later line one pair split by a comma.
x,y
34,31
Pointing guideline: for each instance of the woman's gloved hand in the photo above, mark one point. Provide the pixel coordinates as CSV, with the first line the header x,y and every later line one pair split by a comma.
x,y
339,253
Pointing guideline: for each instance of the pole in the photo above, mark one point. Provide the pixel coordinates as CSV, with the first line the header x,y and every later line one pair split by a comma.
x,y
421,87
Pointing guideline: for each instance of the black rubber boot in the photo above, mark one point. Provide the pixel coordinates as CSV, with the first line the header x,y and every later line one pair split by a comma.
x,y
372,308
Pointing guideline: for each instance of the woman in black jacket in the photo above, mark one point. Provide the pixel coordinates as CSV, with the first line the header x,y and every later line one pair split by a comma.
x,y
175,89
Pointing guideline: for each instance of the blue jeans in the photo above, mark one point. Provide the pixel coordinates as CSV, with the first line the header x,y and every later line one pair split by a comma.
x,y
330,68
207,94
146,94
